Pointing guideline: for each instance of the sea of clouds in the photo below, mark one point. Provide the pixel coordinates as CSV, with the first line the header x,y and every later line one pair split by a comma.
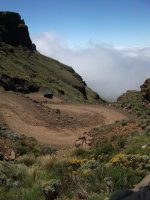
x,y
107,69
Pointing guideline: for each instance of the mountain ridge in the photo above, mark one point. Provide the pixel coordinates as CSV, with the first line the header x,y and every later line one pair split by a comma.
x,y
20,59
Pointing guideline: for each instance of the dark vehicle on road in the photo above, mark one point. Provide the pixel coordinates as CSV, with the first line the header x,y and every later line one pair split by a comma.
x,y
48,94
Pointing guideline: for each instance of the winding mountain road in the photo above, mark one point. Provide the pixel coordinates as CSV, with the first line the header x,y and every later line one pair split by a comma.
x,y
51,121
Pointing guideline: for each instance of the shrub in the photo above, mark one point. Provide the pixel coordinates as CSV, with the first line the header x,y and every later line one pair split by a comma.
x,y
47,162
136,162
124,177
15,174
29,145
32,193
104,148
80,152
76,163
28,160
147,130
48,150
51,189
121,142
90,164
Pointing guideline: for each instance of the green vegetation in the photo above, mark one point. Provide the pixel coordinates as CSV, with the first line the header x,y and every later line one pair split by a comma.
x,y
29,145
118,158
119,155
134,102
139,143
45,72
48,176
92,173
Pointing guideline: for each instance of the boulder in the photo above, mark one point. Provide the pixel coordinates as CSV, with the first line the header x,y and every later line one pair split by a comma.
x,y
78,143
145,89
121,194
12,156
143,183
125,194
85,140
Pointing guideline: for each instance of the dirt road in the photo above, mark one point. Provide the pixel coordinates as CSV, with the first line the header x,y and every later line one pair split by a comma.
x,y
51,121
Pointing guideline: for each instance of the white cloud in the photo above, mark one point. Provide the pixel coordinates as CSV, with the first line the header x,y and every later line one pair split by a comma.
x,y
107,69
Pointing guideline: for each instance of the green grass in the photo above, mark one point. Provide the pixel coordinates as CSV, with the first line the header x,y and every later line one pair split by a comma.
x,y
22,194
27,160
84,169
136,142
25,178
45,72
134,100
81,152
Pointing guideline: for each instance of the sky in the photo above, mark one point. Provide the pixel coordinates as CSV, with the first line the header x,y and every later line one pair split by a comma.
x,y
106,41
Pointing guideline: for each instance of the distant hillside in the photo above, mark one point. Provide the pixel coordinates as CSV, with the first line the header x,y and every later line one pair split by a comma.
x,y
23,69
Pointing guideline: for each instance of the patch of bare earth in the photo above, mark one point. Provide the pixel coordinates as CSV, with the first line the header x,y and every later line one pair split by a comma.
x,y
51,121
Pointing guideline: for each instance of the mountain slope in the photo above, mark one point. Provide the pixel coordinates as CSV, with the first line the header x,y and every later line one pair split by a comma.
x,y
19,59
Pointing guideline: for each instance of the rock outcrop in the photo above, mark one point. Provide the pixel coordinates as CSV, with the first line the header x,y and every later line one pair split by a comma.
x,y
14,31
145,89
85,140
145,182
125,194
17,84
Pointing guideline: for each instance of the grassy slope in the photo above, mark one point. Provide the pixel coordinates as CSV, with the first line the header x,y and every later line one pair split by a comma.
x,y
87,172
46,72
116,151
133,100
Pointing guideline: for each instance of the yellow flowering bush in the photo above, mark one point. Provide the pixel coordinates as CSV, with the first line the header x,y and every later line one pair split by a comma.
x,y
131,161
82,172
76,163
120,159
82,167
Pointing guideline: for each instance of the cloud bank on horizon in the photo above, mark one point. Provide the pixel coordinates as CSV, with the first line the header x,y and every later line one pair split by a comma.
x,y
107,69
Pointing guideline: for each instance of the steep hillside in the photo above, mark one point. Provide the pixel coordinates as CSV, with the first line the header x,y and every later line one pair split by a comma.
x,y
135,103
47,145
22,66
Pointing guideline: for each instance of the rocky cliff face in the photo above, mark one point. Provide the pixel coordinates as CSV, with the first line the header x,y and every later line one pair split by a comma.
x,y
145,89
14,31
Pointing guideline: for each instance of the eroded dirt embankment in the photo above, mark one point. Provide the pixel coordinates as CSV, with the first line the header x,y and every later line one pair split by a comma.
x,y
51,121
